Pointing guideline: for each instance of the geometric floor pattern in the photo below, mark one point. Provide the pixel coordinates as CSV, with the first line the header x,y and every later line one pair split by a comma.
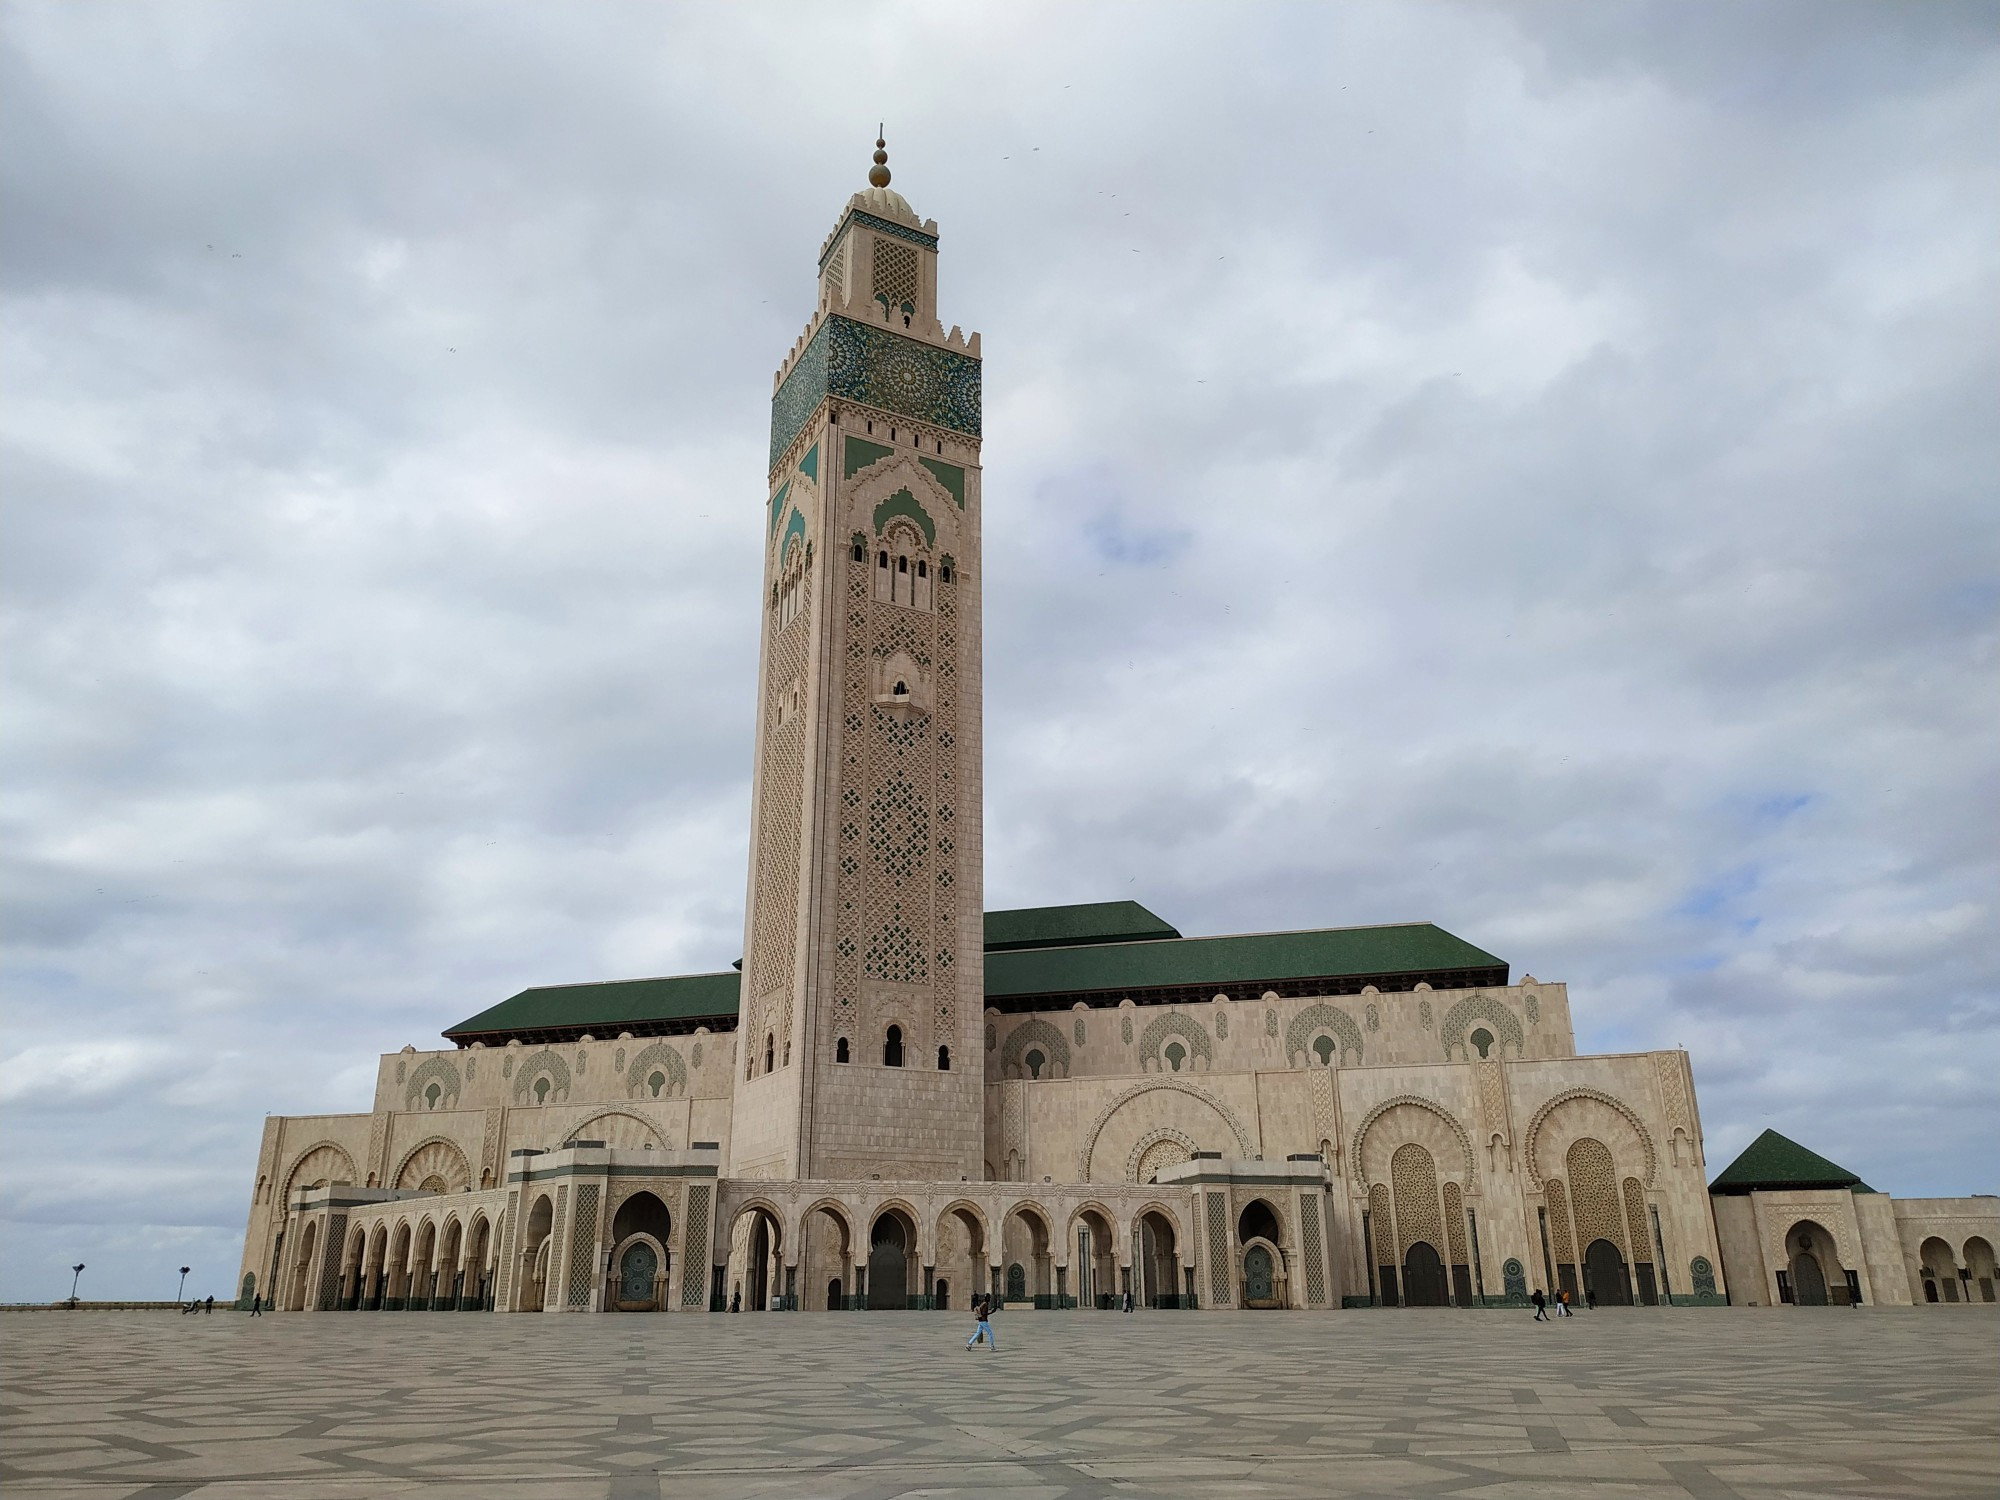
x,y
1723,1404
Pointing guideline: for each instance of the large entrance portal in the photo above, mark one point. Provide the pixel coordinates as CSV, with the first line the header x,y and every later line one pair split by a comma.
x,y
888,1263
1813,1270
1808,1280
1423,1277
1604,1275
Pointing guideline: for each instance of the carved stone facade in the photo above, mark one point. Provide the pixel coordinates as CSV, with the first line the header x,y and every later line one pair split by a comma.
x,y
876,1116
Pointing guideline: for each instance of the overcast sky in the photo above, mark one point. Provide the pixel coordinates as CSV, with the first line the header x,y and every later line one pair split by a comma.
x,y
1530,469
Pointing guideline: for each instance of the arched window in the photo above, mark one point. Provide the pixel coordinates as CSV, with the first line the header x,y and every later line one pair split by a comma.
x,y
882,559
860,550
944,1059
1176,1055
1035,1063
1482,1041
431,1096
840,1050
541,1090
901,690
657,1082
921,567
1323,1050
902,565
892,1048
770,1051
944,572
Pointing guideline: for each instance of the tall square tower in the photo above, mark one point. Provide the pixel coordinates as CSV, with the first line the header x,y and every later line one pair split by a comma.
x,y
863,975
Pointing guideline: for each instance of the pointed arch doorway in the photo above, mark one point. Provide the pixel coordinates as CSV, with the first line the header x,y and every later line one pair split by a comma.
x,y
1423,1277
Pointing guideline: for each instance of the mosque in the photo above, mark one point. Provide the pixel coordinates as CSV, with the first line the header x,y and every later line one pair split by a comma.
x,y
897,1098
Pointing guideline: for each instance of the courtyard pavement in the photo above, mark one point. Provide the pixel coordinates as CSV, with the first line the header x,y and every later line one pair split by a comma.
x,y
1714,1404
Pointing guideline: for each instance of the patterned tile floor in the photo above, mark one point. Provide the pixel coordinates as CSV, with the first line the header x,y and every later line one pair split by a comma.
x,y
1751,1403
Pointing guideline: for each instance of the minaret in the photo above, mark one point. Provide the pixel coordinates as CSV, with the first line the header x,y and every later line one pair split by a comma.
x,y
863,976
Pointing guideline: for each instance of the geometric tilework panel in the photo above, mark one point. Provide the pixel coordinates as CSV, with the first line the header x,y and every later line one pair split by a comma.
x,y
1593,1187
885,370
1414,1176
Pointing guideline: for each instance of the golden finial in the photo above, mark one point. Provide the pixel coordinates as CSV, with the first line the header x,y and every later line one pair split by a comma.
x,y
878,175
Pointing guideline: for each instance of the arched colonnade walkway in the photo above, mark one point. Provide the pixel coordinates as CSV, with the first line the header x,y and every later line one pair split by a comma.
x,y
848,1251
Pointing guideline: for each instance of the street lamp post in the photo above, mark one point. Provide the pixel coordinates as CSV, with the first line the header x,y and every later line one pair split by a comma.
x,y
181,1295
77,1276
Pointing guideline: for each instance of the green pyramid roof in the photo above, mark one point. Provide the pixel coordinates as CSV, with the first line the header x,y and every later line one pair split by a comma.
x,y
1775,1161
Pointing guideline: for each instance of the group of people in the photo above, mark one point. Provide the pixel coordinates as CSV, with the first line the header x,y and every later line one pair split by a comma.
x,y
1561,1304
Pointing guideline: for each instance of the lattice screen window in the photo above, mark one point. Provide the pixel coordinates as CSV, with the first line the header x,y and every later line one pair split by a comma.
x,y
1454,1222
835,278
694,1248
1218,1251
1558,1198
1382,1221
1635,1219
331,1251
583,1245
1315,1250
895,276
505,1279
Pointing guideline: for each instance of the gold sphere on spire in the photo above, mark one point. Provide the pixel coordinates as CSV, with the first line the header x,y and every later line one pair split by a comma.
x,y
878,175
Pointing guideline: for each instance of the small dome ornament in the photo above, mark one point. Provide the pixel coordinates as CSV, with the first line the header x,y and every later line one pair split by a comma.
x,y
878,175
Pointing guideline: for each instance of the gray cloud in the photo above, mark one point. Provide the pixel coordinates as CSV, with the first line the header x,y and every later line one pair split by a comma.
x,y
1514,468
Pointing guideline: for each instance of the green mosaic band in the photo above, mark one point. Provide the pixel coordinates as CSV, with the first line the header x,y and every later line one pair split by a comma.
x,y
880,226
879,368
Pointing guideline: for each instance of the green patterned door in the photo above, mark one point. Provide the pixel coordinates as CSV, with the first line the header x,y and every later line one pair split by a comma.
x,y
636,1270
1258,1275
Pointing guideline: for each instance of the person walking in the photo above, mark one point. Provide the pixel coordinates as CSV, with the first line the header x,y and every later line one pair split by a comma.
x,y
256,1304
1562,1304
210,1306
1541,1306
982,1309
1128,1299
1590,1299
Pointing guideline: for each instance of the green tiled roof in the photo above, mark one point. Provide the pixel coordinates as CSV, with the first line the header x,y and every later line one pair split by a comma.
x,y
1774,1161
1114,947
1232,962
1066,926
685,1000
